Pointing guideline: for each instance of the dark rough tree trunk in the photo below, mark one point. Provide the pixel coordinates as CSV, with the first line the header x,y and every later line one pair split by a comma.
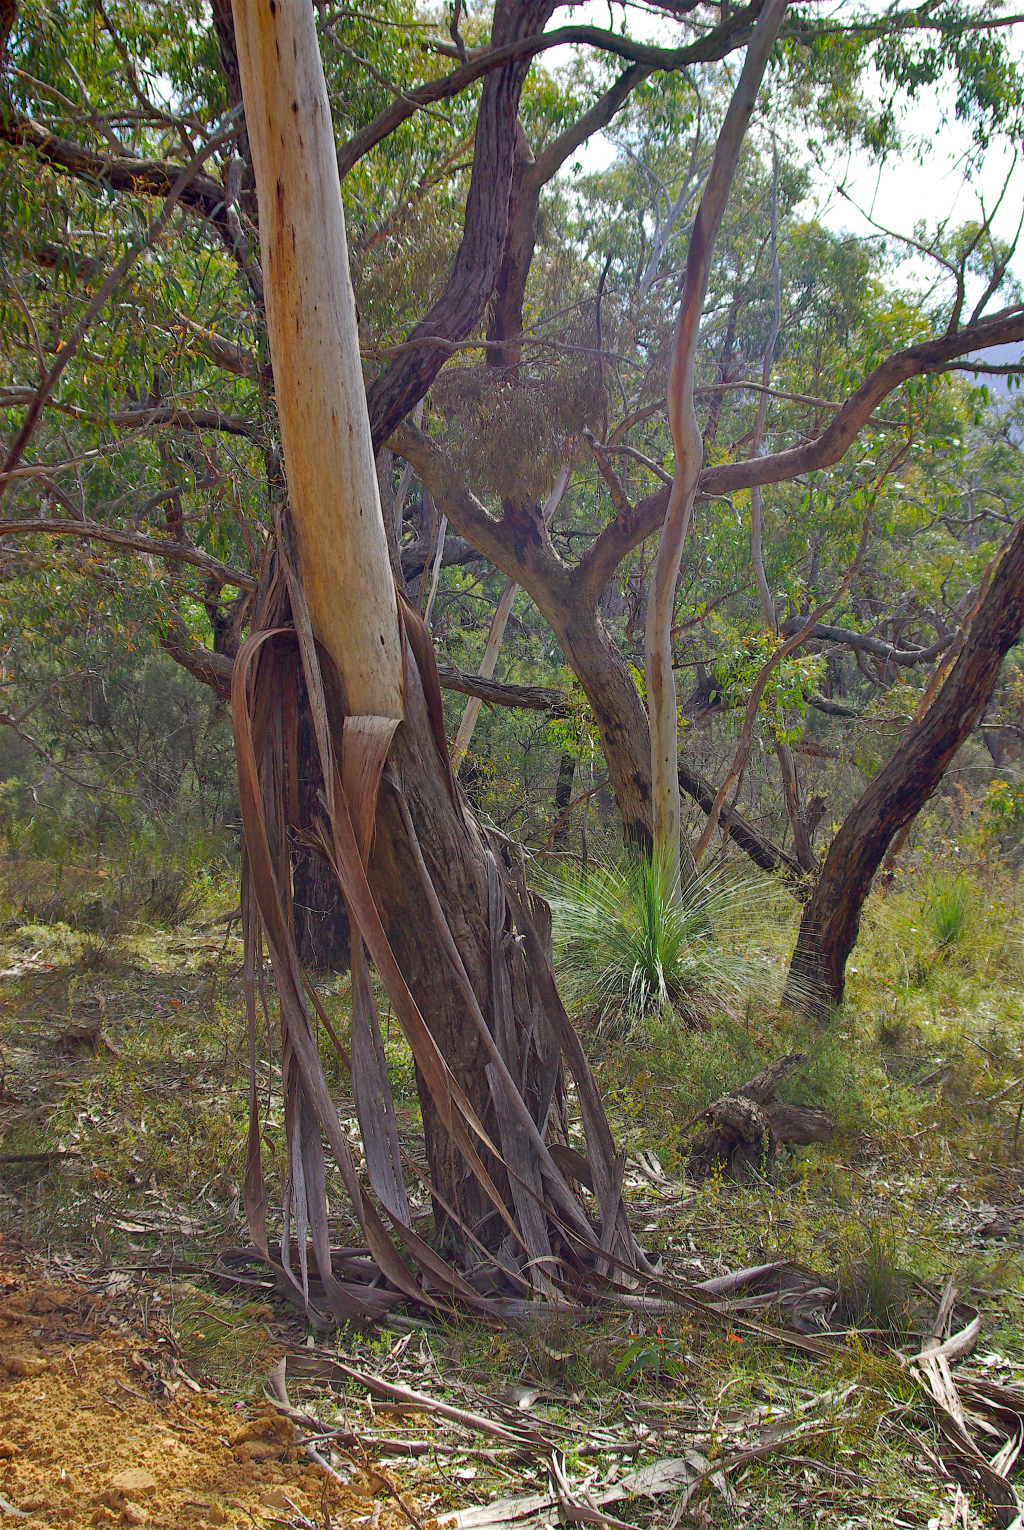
x,y
568,600
321,920
831,917
456,858
563,797
8,13
618,711
393,395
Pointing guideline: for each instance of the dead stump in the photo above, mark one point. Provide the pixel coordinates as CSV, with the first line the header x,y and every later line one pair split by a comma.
x,y
741,1131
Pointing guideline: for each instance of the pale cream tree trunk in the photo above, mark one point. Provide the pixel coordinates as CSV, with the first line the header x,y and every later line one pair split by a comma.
x,y
435,903
686,439
314,344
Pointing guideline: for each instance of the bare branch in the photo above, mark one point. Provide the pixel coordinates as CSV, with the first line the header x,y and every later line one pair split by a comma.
x,y
862,642
7,721
146,177
176,551
534,698
138,419
715,45
824,450
222,352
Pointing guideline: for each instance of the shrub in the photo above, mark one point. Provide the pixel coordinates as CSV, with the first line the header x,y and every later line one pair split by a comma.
x,y
875,1289
628,951
951,912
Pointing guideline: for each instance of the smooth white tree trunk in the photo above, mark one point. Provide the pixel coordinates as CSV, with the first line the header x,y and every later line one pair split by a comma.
x,y
311,320
689,450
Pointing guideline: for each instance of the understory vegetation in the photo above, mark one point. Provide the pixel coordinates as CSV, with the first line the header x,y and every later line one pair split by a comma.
x,y
122,1058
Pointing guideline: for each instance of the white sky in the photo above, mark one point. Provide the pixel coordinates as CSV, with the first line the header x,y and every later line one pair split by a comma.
x,y
925,184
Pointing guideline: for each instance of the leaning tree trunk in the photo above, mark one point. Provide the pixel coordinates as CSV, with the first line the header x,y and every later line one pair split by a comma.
x,y
435,904
568,601
623,726
831,917
618,711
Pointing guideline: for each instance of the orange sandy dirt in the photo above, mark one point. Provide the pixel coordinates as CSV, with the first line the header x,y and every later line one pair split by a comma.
x,y
99,1425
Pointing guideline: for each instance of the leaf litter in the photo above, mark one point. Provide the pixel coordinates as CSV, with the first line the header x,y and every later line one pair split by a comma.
x,y
827,1445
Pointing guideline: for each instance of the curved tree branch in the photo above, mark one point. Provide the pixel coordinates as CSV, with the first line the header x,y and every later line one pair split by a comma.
x,y
661,688
826,449
863,642
155,230
131,541
497,541
723,39
520,50
158,414
146,177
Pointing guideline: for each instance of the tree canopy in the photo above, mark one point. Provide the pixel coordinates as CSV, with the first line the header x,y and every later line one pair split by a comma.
x,y
525,300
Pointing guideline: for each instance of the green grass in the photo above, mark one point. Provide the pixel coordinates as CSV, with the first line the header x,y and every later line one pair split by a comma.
x,y
951,912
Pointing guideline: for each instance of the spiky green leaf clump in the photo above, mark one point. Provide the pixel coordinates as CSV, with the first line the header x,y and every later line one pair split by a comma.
x,y
627,950
951,911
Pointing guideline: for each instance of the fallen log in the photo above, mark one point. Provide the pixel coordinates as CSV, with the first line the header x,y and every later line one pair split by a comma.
x,y
741,1131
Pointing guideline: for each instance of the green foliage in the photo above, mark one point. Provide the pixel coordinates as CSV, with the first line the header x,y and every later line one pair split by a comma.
x,y
628,951
789,683
80,624
649,1358
1003,807
876,1289
951,912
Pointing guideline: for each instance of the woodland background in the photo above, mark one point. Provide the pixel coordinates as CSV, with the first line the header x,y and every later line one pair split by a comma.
x,y
150,482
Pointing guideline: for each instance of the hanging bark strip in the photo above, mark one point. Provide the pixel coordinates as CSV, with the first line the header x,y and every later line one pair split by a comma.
x,y
555,1239
686,438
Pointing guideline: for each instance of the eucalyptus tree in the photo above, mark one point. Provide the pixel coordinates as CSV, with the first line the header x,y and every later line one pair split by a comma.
x,y
479,1008
563,598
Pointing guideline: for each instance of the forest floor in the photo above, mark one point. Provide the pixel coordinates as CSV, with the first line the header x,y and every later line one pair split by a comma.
x,y
126,1343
